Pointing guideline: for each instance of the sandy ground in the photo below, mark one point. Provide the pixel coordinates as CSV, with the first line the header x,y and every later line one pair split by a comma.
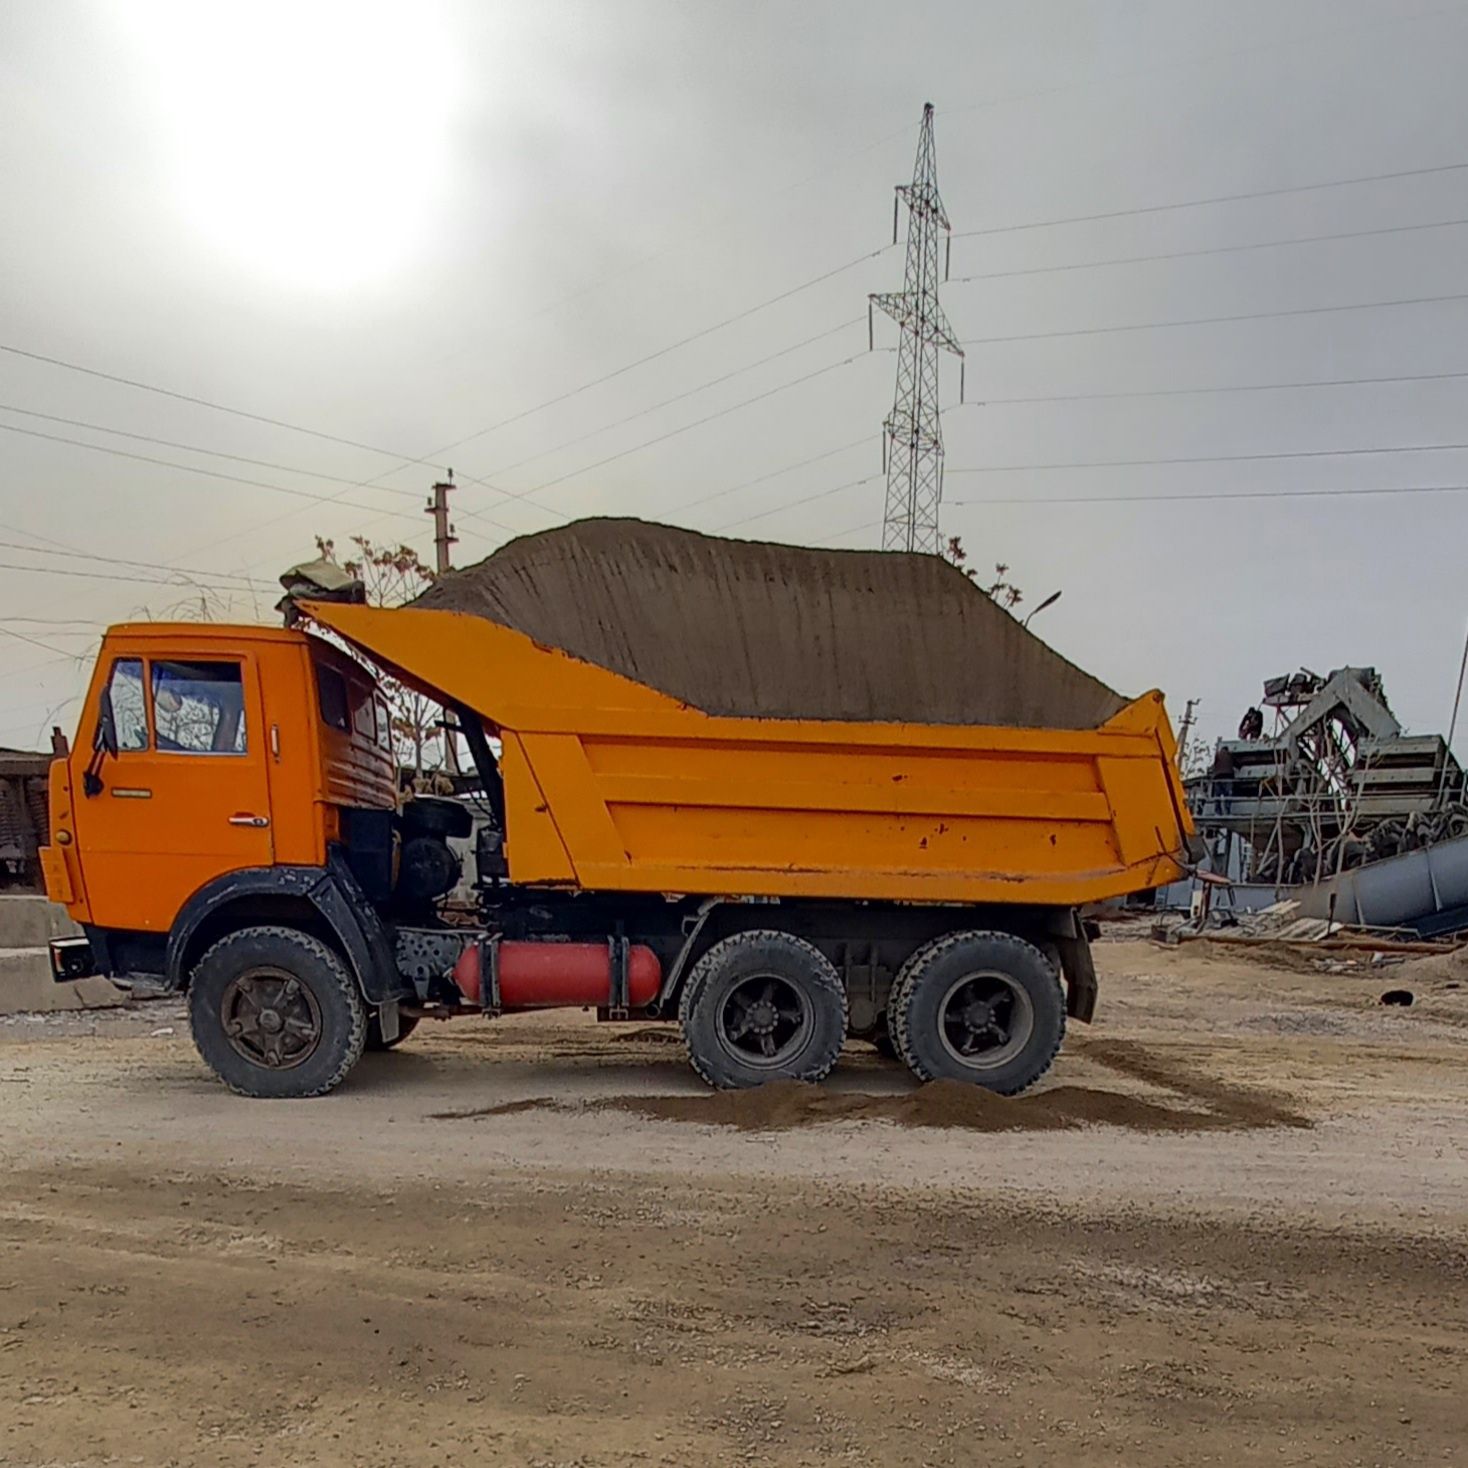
x,y
1230,1228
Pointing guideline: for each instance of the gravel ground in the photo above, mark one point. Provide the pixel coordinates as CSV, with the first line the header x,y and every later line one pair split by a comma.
x,y
1230,1226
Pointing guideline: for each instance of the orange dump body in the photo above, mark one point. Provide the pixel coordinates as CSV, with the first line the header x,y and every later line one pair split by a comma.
x,y
614,786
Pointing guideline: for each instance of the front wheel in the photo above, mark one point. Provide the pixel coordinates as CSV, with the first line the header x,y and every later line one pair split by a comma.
x,y
275,1013
980,1007
763,1006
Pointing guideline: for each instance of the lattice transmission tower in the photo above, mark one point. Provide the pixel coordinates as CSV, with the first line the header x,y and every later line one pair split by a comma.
x,y
913,441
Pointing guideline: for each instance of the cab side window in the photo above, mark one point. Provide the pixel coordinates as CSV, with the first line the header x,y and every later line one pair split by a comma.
x,y
124,697
199,708
331,690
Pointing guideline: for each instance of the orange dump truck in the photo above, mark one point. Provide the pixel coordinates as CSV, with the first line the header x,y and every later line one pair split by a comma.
x,y
230,825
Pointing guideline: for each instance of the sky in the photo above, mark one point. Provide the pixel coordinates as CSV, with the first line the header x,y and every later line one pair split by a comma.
x,y
291,261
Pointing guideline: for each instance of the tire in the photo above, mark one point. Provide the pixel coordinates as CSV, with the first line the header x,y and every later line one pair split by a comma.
x,y
407,1023
318,1022
980,1007
787,985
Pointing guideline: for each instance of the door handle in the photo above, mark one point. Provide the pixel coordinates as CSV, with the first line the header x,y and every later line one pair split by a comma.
x,y
257,822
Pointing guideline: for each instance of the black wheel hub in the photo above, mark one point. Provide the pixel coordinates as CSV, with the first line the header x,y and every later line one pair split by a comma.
x,y
764,1021
984,1018
271,1019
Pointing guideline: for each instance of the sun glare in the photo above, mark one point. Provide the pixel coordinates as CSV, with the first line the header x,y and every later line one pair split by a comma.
x,y
309,140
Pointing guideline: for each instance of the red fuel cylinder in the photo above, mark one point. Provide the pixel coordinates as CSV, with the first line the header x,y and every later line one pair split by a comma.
x,y
550,975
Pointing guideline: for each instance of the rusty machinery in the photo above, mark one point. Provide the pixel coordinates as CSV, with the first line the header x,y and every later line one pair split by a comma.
x,y
1334,785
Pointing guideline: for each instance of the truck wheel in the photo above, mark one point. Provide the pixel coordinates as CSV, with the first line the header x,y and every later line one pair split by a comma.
x,y
980,1007
763,1006
407,1023
275,1013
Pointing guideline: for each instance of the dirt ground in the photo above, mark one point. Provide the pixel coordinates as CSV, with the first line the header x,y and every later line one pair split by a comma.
x,y
1229,1228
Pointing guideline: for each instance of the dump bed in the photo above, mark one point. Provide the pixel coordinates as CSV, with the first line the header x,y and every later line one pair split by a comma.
x,y
613,785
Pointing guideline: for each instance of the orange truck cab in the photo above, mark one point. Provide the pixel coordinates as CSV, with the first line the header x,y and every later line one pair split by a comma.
x,y
230,825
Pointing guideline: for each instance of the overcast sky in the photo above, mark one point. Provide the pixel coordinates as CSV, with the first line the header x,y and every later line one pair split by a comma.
x,y
418,225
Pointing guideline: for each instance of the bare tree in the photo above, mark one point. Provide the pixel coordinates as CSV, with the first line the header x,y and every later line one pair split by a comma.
x,y
1000,589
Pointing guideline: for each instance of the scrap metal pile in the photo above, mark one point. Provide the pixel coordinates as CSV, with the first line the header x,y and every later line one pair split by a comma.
x,y
1336,785
22,817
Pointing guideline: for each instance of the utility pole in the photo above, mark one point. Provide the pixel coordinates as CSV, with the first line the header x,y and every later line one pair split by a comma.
x,y
1184,731
443,532
443,539
913,439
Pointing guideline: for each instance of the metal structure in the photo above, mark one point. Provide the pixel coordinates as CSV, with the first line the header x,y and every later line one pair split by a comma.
x,y
1337,784
23,817
444,537
444,540
913,438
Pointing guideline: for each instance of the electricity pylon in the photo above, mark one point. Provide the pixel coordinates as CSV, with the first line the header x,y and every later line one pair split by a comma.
x,y
914,433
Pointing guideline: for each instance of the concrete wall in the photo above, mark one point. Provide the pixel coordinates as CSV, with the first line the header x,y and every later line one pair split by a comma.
x,y
26,925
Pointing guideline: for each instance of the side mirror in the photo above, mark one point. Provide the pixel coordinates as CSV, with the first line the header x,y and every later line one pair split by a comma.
x,y
104,743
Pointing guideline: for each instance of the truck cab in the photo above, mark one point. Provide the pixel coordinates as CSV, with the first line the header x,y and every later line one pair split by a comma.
x,y
216,771
207,751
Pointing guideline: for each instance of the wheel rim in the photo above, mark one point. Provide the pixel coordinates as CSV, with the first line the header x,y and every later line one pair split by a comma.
x,y
985,1020
764,1021
271,1018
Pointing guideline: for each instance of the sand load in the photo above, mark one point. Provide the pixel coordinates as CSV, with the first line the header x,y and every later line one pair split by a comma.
x,y
752,629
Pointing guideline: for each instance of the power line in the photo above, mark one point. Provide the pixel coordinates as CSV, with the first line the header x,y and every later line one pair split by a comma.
x,y
853,530
793,504
192,469
181,397
1213,320
1312,239
1337,183
1406,448
663,351
472,513
51,707
677,397
406,461
717,494
697,423
34,641
1314,38
372,483
182,585
54,622
249,581
238,458
1178,392
194,448
1223,494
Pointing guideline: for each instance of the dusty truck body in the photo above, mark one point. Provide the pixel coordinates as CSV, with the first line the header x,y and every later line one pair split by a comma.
x,y
229,825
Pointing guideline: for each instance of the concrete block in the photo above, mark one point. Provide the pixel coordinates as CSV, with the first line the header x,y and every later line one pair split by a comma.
x,y
27,921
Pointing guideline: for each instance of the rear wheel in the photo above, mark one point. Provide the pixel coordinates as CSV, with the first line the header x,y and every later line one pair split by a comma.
x,y
980,1007
763,1006
275,1013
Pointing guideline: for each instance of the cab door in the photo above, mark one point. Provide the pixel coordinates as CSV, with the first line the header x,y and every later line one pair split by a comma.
x,y
186,798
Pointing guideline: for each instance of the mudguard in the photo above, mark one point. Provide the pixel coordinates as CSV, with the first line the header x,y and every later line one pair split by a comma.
x,y
335,894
